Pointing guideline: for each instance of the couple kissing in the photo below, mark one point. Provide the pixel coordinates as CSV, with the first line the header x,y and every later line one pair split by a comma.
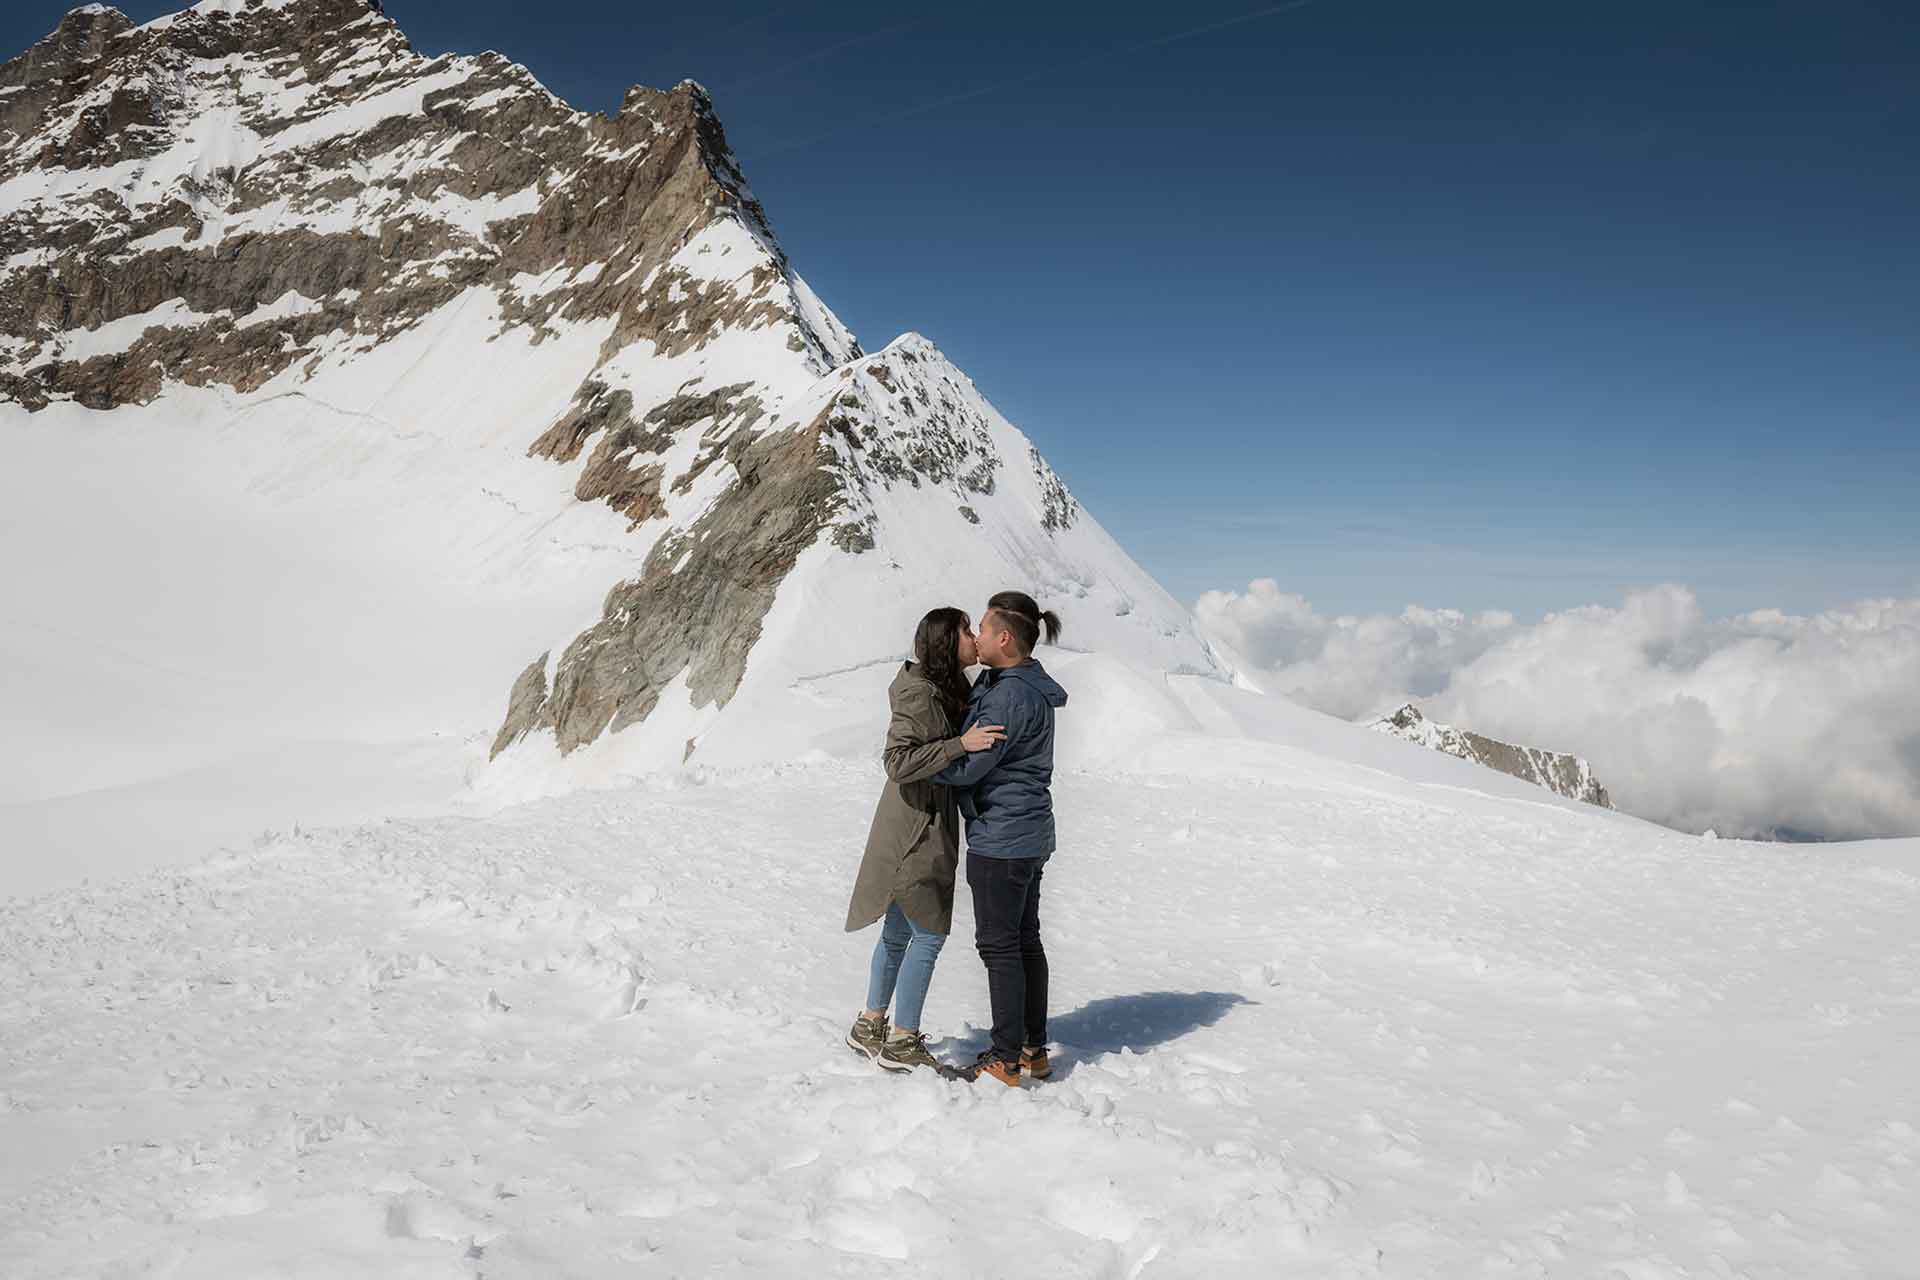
x,y
982,755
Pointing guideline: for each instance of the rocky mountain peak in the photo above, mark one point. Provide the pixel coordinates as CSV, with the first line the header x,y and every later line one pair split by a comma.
x,y
80,39
201,168
252,200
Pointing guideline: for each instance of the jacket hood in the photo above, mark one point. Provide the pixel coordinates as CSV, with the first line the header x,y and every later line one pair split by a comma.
x,y
914,676
1033,675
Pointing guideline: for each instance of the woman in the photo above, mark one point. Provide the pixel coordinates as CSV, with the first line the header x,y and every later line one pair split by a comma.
x,y
913,848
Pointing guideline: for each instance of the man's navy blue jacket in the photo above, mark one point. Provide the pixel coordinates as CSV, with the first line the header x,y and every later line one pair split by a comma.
x,y
1005,792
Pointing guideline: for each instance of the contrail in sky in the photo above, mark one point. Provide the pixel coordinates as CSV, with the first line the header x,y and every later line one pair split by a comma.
x,y
1104,55
864,38
682,48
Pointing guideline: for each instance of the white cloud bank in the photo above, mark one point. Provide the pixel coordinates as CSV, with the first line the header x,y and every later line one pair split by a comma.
x,y
1764,723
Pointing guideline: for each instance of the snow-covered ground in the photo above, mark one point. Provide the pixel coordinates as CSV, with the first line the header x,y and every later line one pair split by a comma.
x,y
1327,1007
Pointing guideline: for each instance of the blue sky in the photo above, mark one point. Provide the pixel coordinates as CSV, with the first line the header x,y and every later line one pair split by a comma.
x,y
1495,305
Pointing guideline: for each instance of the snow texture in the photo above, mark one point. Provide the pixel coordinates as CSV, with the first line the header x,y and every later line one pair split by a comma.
x,y
1314,1018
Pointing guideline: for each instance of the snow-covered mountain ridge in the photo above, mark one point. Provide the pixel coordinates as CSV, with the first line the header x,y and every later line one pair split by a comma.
x,y
217,196
275,219
1558,772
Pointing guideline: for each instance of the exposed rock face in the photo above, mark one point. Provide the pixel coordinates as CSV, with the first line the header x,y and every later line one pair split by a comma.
x,y
1562,774
300,155
695,608
903,419
79,39
261,196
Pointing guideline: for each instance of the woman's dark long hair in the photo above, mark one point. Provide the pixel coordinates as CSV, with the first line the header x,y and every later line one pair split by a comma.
x,y
936,649
1025,618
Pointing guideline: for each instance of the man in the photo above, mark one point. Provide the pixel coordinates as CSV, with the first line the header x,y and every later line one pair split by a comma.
x,y
1005,795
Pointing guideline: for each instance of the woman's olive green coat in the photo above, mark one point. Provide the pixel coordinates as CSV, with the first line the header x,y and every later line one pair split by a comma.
x,y
913,848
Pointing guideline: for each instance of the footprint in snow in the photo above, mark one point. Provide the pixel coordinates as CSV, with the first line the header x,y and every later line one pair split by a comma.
x,y
869,1232
229,1202
662,1200
1094,1209
420,1216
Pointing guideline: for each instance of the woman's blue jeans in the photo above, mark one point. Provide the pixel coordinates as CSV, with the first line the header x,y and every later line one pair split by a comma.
x,y
902,968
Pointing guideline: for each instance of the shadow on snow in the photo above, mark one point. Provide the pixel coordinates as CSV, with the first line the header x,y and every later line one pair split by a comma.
x,y
1112,1023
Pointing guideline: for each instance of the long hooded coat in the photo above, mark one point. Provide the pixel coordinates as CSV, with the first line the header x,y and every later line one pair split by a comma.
x,y
913,847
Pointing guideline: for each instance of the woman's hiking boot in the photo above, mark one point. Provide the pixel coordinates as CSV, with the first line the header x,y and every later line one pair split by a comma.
x,y
1033,1061
869,1036
905,1050
988,1067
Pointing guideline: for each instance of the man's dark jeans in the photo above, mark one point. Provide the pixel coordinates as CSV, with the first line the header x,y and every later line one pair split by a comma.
x,y
1006,930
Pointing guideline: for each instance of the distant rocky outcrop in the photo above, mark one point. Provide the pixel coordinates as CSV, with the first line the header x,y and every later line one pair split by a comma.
x,y
1558,772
